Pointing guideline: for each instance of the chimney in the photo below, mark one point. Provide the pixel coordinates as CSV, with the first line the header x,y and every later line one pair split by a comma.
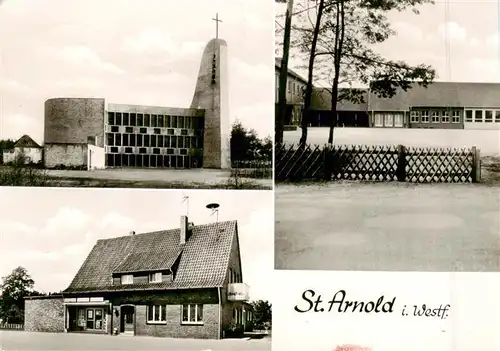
x,y
132,232
184,230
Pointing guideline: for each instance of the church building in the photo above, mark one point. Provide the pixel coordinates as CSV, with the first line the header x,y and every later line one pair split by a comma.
x,y
86,133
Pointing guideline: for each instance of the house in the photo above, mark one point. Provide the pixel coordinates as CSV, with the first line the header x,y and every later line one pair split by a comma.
x,y
185,282
296,86
26,147
445,105
349,114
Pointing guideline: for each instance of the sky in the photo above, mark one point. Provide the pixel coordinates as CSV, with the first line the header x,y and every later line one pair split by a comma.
x,y
144,52
51,239
473,36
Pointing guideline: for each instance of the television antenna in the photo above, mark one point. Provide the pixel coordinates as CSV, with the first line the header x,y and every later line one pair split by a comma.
x,y
185,199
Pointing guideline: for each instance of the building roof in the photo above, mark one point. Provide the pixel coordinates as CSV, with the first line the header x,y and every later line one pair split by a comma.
x,y
321,99
440,94
202,262
26,141
277,63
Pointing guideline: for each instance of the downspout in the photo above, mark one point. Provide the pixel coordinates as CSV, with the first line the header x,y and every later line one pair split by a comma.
x,y
220,313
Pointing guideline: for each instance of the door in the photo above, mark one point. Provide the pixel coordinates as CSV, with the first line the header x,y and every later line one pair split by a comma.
x,y
127,322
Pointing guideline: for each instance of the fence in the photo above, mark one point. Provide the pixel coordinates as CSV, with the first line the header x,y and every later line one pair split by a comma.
x,y
11,326
252,169
377,163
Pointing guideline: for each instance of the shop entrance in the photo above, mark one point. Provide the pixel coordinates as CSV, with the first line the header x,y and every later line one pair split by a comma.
x,y
127,319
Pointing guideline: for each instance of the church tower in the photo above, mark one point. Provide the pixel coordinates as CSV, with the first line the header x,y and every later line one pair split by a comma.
x,y
212,95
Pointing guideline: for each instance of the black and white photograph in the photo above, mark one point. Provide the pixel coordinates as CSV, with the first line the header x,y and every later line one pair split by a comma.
x,y
136,94
135,270
387,136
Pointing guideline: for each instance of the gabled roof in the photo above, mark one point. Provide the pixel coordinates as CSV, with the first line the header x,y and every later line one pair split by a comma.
x,y
321,99
26,141
439,94
202,261
277,63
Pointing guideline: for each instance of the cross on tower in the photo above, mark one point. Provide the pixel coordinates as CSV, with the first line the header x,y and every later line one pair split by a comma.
x,y
217,20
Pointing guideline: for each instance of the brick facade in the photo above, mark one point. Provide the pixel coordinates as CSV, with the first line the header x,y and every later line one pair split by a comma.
x,y
44,315
174,327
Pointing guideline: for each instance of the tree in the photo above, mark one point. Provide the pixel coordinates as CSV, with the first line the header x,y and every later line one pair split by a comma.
x,y
5,144
347,31
247,146
262,314
14,288
280,118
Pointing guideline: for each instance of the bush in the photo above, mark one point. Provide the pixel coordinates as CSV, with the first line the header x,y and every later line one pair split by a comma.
x,y
249,326
18,173
234,331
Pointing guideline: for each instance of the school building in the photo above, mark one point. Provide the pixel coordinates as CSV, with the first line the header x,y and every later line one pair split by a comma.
x,y
185,282
442,105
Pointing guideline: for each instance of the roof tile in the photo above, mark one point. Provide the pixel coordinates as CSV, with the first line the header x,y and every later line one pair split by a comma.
x,y
203,261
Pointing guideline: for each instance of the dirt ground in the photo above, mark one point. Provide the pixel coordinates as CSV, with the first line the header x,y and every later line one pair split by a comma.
x,y
388,226
19,340
154,178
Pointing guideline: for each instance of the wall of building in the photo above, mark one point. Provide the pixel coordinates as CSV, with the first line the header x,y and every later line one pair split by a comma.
x,y
234,275
212,95
44,315
96,157
389,119
33,155
436,118
482,118
152,136
294,89
173,301
173,328
73,120
69,155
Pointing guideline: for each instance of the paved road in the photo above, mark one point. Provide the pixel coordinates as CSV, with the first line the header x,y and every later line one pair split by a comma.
x,y
388,227
19,340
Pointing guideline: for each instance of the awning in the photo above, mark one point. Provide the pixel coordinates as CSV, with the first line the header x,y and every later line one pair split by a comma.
x,y
92,303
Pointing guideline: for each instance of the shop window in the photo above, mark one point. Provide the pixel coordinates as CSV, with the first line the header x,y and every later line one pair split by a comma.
x,y
192,314
157,313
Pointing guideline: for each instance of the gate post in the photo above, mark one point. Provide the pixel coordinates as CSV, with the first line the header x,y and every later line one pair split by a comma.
x,y
401,170
327,167
476,165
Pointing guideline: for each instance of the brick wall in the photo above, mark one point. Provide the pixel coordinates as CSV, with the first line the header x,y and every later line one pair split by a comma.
x,y
174,300
65,154
44,315
174,328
